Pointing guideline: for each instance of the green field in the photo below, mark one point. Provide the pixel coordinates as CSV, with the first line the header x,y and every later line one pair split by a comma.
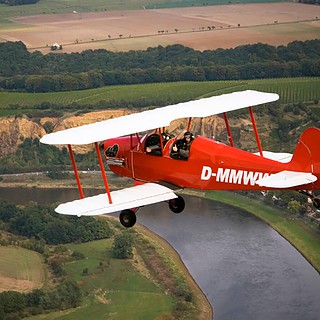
x,y
295,230
23,265
290,90
67,6
115,289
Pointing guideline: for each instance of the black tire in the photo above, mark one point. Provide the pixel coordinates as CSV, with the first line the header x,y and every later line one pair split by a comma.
x,y
128,218
177,205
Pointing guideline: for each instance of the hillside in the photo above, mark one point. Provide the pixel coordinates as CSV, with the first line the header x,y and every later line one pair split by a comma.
x,y
279,127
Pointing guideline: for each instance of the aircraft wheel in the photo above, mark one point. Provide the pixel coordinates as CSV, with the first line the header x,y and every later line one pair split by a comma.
x,y
177,205
316,202
128,218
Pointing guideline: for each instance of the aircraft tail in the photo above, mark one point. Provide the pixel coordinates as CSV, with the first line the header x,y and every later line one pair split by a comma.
x,y
306,156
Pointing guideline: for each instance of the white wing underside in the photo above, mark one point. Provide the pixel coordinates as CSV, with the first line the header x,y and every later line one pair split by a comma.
x,y
158,118
128,198
287,179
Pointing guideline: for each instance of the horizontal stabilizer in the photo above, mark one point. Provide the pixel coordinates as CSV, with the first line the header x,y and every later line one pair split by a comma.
x,y
287,179
128,198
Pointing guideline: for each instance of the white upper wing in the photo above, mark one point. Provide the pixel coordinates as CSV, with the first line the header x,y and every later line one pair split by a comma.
x,y
157,118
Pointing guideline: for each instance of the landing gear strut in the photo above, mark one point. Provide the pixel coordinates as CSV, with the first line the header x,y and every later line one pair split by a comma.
x,y
177,205
128,218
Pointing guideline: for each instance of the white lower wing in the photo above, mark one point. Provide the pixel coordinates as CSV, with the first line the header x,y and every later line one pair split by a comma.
x,y
287,179
128,198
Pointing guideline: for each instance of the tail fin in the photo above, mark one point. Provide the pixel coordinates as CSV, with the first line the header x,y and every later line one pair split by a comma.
x,y
307,152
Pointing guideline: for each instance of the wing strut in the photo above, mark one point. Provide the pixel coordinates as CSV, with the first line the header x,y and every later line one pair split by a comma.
x,y
256,131
103,172
228,129
189,124
75,171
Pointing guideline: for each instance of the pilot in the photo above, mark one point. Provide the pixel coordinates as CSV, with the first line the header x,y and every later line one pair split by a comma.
x,y
181,148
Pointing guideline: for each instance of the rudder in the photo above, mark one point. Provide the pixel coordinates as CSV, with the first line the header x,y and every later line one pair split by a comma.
x,y
307,152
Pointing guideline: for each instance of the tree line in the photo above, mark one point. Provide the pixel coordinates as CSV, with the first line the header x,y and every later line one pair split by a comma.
x,y
42,223
16,305
24,71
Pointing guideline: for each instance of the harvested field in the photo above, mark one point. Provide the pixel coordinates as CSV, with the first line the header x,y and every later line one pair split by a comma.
x,y
201,28
20,270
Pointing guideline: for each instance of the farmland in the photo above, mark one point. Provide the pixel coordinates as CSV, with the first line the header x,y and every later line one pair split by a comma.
x,y
64,6
290,90
100,25
20,269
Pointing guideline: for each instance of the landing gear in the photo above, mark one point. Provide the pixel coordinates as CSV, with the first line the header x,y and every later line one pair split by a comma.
x,y
128,218
177,205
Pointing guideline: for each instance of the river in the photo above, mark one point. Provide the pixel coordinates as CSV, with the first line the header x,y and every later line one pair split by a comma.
x,y
245,268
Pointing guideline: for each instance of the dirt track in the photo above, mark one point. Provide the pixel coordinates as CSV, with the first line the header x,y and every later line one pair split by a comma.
x,y
197,27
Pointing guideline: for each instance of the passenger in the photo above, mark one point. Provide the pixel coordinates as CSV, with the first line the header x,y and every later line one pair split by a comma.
x,y
181,148
153,143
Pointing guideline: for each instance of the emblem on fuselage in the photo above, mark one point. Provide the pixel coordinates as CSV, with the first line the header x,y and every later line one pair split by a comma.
x,y
112,152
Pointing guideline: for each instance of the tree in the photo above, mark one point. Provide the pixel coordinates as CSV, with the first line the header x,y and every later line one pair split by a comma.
x,y
33,298
70,294
48,126
59,232
7,210
122,246
12,301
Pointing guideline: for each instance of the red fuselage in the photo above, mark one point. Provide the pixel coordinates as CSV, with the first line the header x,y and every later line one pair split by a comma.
x,y
211,165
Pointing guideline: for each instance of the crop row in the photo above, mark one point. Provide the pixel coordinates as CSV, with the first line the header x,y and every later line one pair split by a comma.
x,y
290,90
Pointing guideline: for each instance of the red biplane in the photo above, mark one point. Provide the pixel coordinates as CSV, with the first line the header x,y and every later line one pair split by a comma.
x,y
153,162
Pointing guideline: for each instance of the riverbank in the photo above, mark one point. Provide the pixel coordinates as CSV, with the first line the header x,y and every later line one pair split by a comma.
x,y
200,299
202,306
295,230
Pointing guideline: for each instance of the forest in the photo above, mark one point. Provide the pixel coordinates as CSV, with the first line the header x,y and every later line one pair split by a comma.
x,y
23,71
42,223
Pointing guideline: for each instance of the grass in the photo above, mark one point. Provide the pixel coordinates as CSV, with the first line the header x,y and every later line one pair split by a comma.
x,y
128,289
295,230
116,290
22,265
290,90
